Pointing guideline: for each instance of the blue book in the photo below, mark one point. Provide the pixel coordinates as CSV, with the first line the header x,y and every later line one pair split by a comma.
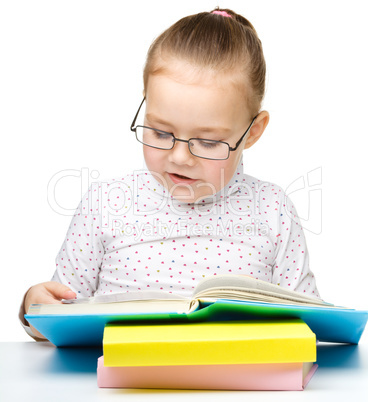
x,y
81,322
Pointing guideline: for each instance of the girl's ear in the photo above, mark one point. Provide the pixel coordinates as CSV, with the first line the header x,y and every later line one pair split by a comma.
x,y
257,129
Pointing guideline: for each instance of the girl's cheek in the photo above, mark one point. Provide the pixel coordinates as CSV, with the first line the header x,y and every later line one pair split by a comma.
x,y
220,172
152,156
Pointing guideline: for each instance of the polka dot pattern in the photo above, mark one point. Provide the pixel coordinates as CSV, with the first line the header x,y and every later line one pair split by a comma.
x,y
130,234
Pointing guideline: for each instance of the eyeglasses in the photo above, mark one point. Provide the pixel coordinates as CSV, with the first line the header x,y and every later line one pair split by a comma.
x,y
202,148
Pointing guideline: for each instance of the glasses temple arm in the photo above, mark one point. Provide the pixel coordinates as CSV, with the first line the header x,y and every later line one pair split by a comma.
x,y
136,115
241,138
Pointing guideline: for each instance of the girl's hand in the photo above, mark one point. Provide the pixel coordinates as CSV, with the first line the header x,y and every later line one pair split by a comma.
x,y
47,293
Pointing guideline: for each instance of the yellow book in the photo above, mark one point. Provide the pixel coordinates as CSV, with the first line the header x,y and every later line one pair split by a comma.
x,y
206,343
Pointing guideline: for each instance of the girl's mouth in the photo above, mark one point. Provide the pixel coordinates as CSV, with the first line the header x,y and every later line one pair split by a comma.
x,y
177,179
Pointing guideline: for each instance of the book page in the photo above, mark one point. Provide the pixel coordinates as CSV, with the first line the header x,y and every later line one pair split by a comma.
x,y
125,296
247,288
213,294
124,308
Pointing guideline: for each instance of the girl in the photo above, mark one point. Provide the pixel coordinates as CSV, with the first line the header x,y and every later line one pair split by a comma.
x,y
191,212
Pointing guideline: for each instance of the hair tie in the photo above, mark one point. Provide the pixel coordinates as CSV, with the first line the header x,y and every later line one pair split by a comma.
x,y
223,13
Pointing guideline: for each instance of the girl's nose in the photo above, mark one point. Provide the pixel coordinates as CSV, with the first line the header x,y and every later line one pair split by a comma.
x,y
180,154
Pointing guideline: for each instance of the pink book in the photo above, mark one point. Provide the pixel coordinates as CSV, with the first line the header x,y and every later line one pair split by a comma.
x,y
262,377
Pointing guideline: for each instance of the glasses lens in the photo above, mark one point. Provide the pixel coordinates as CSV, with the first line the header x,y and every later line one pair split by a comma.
x,y
209,149
154,138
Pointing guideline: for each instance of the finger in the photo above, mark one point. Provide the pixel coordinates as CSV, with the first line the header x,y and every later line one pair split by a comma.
x,y
59,291
69,294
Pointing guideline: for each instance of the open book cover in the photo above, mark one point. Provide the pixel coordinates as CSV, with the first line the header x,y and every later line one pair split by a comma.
x,y
216,298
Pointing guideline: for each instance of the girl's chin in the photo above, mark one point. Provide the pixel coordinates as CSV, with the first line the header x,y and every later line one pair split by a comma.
x,y
187,194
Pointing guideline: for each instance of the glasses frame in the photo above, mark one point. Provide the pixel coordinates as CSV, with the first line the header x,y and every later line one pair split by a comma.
x,y
134,129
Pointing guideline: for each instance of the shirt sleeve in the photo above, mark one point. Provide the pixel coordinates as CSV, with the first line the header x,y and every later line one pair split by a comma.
x,y
291,267
80,257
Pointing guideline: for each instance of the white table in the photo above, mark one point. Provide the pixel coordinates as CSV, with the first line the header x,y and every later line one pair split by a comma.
x,y
31,371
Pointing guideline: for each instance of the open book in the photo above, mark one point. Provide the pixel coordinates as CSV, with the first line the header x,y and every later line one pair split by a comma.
x,y
216,298
226,287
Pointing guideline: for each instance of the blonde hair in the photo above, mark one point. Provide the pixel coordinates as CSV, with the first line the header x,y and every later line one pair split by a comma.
x,y
217,42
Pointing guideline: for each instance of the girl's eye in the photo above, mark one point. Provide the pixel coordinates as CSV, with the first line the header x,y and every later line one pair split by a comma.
x,y
161,136
208,144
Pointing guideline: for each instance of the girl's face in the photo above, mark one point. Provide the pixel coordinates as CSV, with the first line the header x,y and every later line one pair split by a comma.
x,y
191,104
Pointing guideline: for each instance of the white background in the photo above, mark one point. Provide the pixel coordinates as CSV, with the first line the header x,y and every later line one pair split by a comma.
x,y
71,81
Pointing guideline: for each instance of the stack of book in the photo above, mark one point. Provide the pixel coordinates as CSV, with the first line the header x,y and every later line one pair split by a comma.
x,y
211,340
238,355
